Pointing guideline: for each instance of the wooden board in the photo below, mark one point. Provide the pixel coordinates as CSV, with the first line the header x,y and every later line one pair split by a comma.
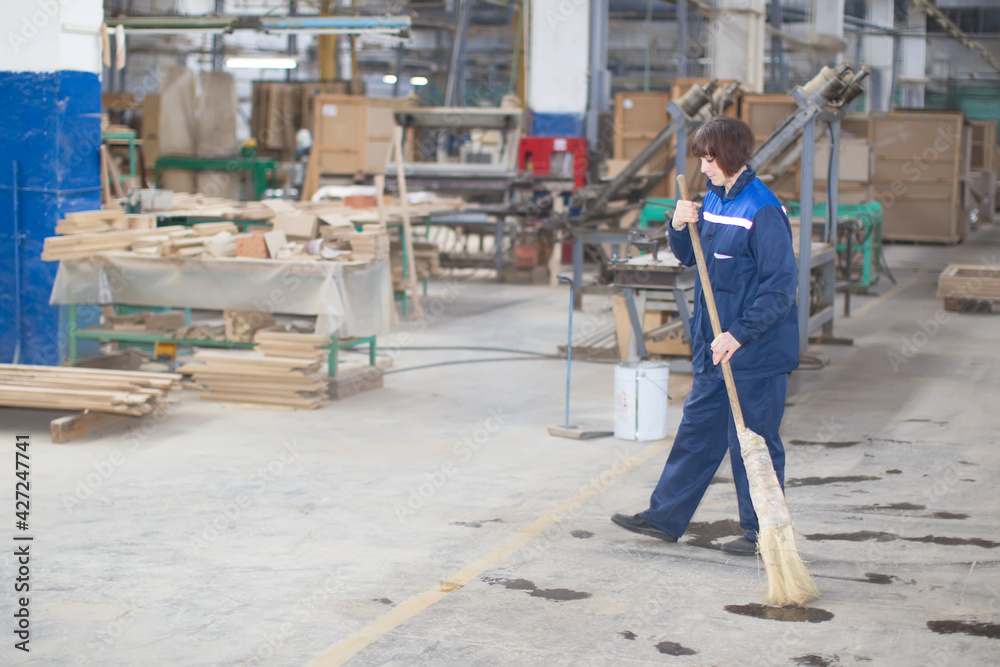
x,y
65,429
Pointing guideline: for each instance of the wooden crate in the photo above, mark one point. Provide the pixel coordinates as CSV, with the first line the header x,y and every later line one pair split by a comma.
x,y
352,133
764,113
281,108
919,162
982,149
639,117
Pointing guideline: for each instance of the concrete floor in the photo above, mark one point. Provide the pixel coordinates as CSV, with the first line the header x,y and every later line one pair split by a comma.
x,y
434,521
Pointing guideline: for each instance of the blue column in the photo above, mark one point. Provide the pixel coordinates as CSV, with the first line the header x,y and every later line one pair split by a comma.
x,y
50,134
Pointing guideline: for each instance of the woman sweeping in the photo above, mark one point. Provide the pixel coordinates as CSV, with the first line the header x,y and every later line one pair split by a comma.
x,y
748,251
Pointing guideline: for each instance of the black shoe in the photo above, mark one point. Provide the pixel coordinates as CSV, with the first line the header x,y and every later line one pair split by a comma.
x,y
637,524
741,546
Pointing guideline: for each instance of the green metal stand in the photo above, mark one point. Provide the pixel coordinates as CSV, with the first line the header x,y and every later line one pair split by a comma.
x,y
261,168
76,334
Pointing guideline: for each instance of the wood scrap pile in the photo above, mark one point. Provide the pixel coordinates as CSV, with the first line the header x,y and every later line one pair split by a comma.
x,y
169,320
241,325
122,392
259,378
962,285
372,243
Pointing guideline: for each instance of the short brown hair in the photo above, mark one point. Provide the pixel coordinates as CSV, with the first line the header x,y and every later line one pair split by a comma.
x,y
729,141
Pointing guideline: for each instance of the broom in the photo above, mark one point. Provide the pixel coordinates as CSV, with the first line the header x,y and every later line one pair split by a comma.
x,y
788,580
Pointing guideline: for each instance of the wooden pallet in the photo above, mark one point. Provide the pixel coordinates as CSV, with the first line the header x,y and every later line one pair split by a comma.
x,y
971,282
959,305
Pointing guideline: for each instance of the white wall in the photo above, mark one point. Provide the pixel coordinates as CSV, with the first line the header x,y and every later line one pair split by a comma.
x,y
51,35
558,53
738,43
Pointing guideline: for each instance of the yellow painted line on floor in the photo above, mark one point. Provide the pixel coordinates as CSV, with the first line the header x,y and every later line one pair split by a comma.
x,y
863,310
351,646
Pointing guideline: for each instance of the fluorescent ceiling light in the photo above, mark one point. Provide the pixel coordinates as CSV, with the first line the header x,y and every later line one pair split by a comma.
x,y
389,78
261,63
418,80
338,25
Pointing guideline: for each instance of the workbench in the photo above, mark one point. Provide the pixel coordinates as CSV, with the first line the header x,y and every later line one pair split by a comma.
x,y
651,284
351,301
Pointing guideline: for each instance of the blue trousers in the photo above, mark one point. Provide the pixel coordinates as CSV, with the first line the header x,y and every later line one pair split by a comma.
x,y
705,433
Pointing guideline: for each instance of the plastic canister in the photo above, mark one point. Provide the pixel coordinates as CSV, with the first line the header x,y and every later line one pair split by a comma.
x,y
641,400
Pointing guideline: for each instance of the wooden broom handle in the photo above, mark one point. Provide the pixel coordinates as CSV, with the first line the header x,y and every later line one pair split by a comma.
x,y
713,312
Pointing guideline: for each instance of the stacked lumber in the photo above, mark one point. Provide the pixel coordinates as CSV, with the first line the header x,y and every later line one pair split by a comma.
x,y
56,248
85,222
258,378
370,244
293,345
175,241
962,285
123,392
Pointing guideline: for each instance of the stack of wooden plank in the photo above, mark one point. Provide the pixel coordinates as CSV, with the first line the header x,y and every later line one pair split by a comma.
x,y
970,287
370,244
56,248
84,222
292,345
123,392
258,379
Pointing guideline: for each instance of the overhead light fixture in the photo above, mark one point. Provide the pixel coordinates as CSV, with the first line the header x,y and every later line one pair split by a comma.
x,y
398,26
418,80
261,63
389,78
173,24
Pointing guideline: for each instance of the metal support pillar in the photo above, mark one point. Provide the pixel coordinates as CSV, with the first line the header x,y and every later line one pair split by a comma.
x,y
217,54
293,41
805,231
633,316
833,183
779,69
456,68
398,70
597,93
682,41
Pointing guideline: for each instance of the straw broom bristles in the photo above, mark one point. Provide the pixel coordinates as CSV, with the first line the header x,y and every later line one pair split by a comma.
x,y
788,580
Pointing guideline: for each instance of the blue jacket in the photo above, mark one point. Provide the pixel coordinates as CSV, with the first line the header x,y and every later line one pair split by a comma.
x,y
747,241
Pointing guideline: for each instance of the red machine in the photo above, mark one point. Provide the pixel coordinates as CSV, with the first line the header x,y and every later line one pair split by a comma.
x,y
554,158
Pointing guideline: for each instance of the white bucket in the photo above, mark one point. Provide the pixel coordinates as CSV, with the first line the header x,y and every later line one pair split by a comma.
x,y
641,400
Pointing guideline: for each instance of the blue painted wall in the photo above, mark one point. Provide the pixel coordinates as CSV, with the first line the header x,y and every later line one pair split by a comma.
x,y
556,124
50,136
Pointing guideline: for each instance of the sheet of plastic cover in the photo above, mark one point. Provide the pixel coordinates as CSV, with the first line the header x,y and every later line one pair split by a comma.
x,y
348,299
